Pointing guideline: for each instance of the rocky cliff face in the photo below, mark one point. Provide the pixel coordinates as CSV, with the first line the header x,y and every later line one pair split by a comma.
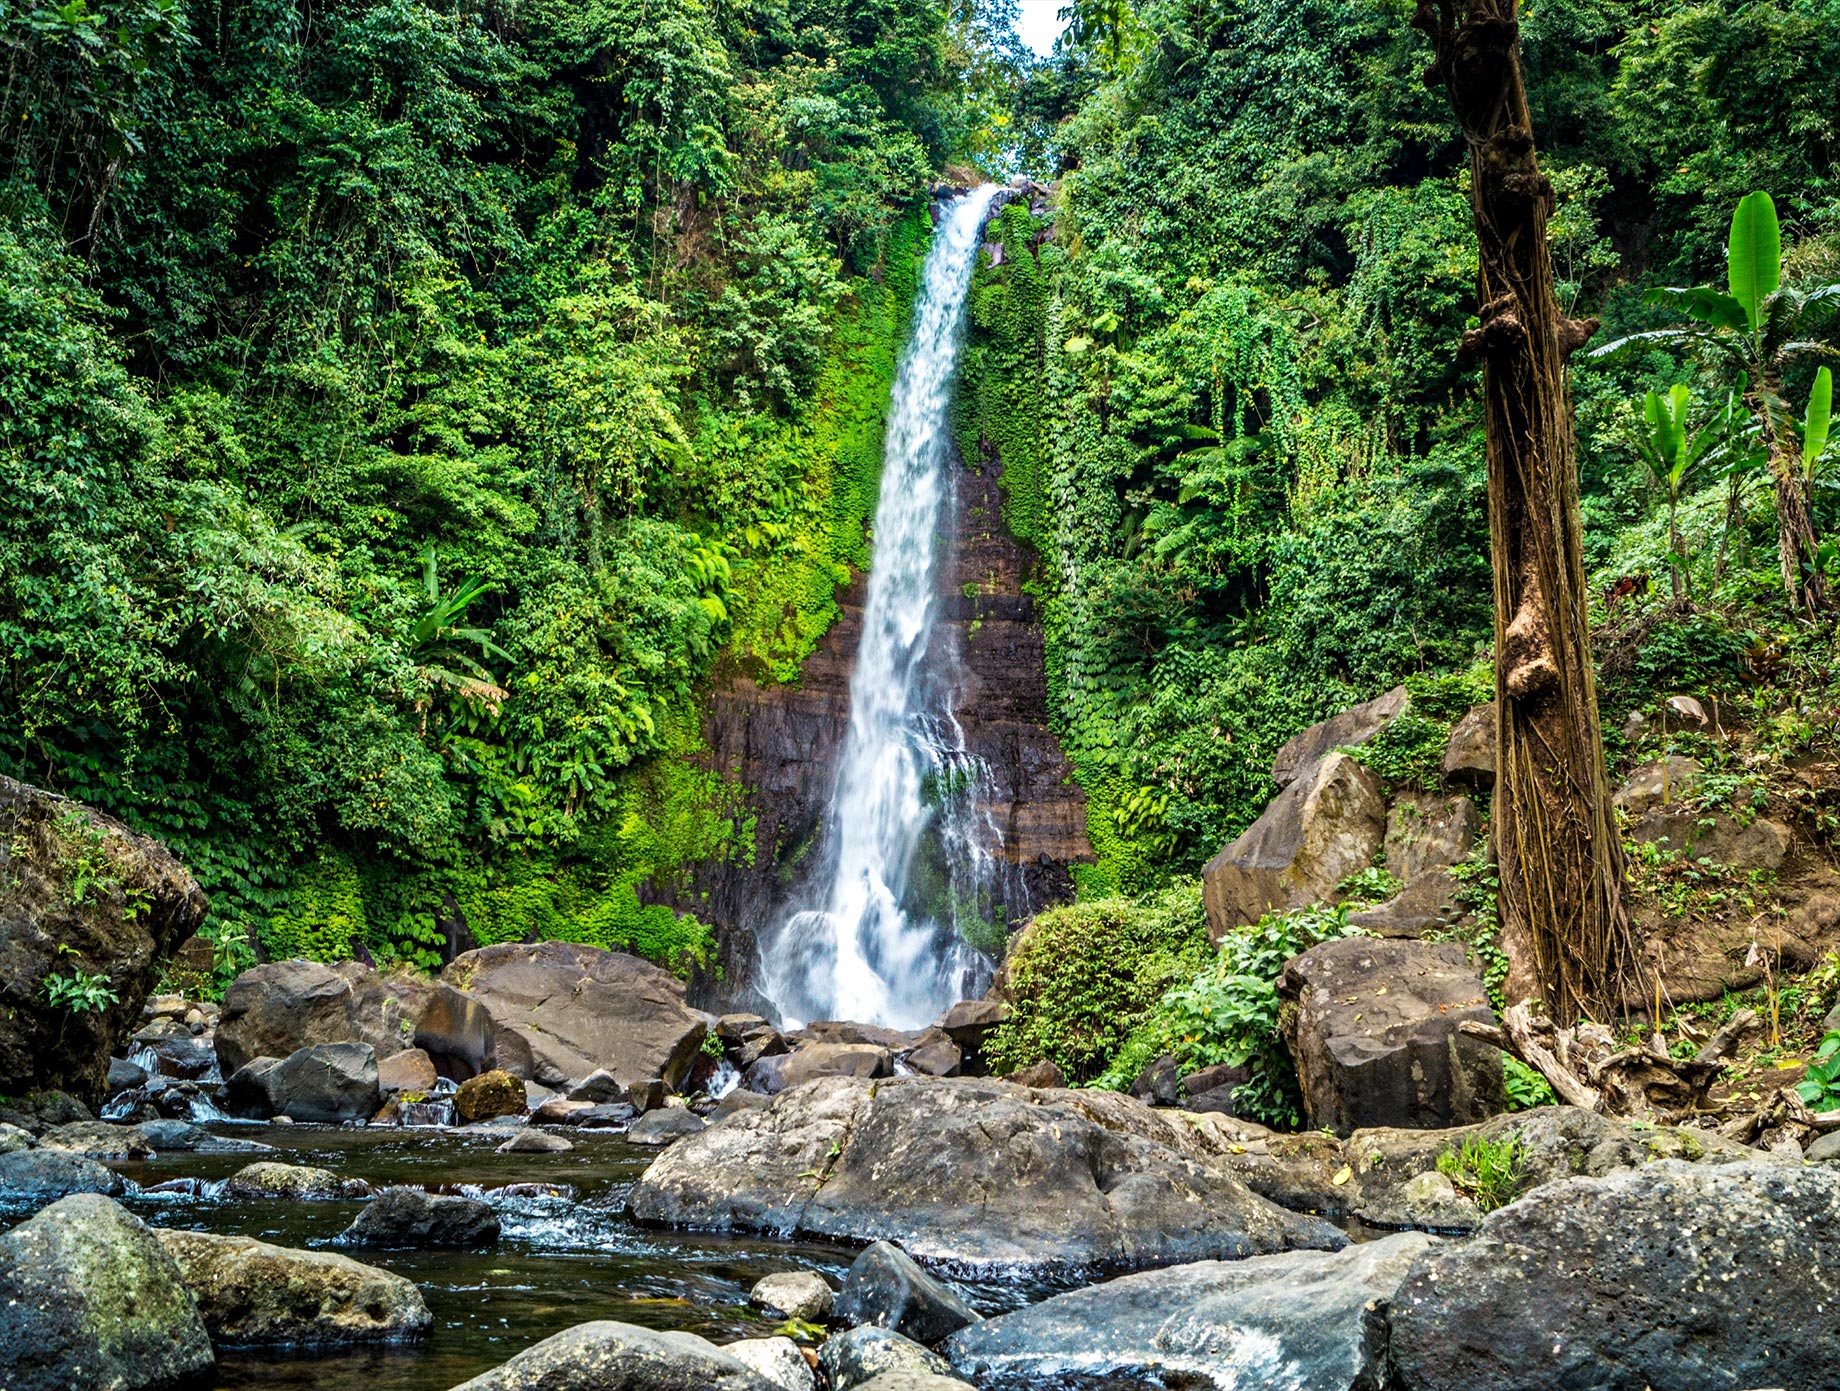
x,y
781,743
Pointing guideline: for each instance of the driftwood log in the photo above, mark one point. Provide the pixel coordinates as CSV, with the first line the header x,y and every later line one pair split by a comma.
x,y
1587,1069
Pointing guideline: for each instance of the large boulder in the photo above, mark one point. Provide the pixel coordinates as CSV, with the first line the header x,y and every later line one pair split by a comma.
x,y
1469,757
974,1172
252,1294
278,1008
560,1010
88,1298
1298,759
411,1218
1674,1276
1322,828
885,1288
330,1082
1427,832
609,1356
1372,1026
1309,1320
79,893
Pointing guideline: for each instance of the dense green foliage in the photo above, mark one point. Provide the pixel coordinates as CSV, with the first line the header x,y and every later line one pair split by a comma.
x,y
1222,380
1228,1013
405,403
1080,978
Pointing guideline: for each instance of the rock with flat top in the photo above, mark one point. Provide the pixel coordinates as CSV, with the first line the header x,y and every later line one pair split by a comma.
x,y
410,1070
1320,829
296,1182
972,1172
533,1141
34,1177
665,1126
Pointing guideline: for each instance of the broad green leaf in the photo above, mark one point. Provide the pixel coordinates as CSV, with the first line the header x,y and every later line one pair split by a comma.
x,y
1703,303
1820,417
1754,254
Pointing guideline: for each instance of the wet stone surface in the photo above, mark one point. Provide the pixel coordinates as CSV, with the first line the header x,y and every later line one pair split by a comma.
x,y
566,1253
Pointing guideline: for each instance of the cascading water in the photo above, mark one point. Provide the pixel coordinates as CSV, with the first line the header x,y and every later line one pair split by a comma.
x,y
861,955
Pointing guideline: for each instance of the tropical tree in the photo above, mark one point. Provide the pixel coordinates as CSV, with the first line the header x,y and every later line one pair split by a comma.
x,y
1760,329
1564,919
1673,451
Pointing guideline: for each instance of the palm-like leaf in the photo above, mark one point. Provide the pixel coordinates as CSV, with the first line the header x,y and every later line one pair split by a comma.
x,y
1819,418
1754,255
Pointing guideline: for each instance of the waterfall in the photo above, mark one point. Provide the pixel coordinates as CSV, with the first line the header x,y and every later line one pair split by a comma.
x,y
863,955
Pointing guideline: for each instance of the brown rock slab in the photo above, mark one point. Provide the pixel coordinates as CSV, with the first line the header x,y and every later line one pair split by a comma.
x,y
1318,831
1372,1025
561,1010
1469,757
1428,831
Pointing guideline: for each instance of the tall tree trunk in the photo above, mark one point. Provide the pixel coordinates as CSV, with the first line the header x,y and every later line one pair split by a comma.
x,y
1565,924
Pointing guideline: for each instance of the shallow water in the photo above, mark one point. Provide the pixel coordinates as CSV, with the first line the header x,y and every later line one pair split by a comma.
x,y
560,1260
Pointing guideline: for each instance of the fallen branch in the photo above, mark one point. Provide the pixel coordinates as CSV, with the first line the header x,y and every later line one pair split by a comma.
x,y
1585,1068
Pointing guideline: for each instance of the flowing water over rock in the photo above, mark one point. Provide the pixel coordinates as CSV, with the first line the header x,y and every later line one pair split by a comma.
x,y
566,1254
862,951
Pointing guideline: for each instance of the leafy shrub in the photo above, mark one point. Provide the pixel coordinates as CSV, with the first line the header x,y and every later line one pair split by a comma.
x,y
1489,1171
1228,1013
1820,1088
80,992
1080,978
1526,1087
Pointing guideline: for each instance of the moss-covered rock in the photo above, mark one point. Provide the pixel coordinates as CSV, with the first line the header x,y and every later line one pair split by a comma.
x,y
89,1298
251,1293
88,912
488,1096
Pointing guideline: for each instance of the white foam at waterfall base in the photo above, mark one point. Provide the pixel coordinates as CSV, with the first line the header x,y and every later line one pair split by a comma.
x,y
858,955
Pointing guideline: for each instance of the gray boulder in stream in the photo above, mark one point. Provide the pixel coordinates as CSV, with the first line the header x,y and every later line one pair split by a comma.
x,y
38,1176
408,1217
1683,1277
555,1012
250,1293
1302,1321
89,1299
885,1287
610,1356
968,1171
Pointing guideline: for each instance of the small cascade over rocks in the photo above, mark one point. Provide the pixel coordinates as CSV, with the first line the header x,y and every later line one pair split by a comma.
x,y
862,951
